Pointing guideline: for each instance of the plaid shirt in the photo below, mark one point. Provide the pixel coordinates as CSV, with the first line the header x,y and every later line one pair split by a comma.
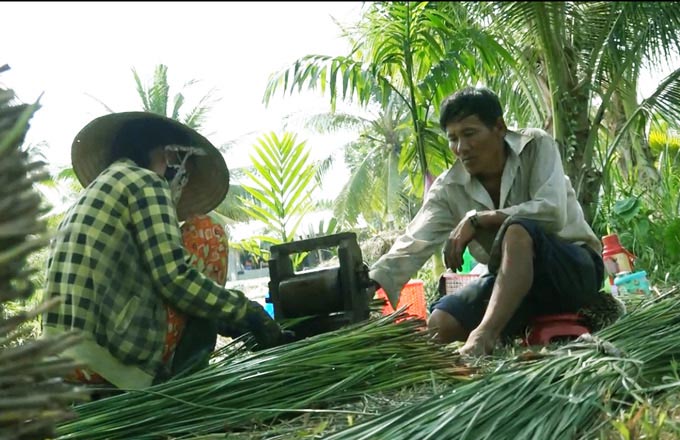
x,y
119,258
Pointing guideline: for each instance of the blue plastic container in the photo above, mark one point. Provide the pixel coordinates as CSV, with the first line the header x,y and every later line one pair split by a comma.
x,y
635,282
268,307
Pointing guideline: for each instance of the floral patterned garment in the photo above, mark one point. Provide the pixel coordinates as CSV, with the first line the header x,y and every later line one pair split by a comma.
x,y
208,245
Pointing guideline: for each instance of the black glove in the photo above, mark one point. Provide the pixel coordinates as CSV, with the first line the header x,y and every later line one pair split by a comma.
x,y
266,332
288,336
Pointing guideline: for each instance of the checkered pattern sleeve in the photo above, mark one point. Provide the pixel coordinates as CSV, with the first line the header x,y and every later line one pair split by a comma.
x,y
159,237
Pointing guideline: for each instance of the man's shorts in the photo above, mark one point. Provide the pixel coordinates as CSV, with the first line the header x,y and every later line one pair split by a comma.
x,y
566,278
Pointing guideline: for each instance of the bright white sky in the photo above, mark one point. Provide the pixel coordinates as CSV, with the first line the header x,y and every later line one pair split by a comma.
x,y
68,50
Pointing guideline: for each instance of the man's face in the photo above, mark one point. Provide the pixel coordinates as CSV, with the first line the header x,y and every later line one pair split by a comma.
x,y
479,147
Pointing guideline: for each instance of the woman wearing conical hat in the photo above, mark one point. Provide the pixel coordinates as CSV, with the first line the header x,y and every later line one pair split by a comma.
x,y
119,264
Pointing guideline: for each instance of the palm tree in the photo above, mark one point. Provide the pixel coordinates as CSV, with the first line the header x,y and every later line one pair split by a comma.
x,y
407,51
584,60
400,49
373,161
155,99
282,184
280,195
571,67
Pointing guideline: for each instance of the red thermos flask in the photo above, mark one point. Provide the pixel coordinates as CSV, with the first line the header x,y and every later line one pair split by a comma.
x,y
616,258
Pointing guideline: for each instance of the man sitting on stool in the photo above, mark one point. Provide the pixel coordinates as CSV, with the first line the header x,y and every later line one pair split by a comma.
x,y
508,199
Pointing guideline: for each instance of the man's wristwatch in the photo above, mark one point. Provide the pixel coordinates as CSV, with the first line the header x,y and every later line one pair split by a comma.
x,y
474,219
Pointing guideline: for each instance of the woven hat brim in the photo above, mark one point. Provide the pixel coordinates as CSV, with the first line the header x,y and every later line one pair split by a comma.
x,y
208,183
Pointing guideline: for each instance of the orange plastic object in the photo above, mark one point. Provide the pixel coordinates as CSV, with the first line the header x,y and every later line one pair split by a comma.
x,y
412,296
546,327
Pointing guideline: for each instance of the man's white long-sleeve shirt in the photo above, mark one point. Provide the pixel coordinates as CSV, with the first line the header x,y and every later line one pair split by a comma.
x,y
533,186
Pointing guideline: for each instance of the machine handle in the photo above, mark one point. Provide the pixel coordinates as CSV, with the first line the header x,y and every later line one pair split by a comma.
x,y
311,244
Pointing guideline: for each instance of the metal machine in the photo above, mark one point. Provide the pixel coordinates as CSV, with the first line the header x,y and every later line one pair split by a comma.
x,y
331,297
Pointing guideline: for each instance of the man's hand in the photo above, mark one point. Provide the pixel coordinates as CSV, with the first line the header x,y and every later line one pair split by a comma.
x,y
459,238
479,343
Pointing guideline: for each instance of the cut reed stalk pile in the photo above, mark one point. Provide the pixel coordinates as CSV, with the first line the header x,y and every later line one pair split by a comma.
x,y
32,397
243,388
569,393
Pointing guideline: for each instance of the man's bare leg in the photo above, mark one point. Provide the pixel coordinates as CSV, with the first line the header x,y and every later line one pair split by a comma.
x,y
513,282
444,328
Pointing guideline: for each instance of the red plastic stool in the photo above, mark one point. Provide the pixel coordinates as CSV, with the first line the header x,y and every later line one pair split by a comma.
x,y
546,327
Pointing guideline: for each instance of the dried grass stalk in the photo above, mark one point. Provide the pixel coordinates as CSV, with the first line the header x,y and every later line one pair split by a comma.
x,y
33,398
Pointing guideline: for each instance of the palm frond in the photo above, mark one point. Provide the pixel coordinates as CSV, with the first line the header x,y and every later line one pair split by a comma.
x,y
34,398
666,98
664,103
657,23
178,102
158,93
322,167
196,117
353,198
282,182
141,91
231,207
333,122
106,107
340,76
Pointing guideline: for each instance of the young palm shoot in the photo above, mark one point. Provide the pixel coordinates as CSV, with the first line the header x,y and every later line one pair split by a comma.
x,y
568,393
245,388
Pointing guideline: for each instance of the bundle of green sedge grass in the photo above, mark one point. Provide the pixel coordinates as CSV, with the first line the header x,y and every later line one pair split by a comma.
x,y
32,396
245,388
568,393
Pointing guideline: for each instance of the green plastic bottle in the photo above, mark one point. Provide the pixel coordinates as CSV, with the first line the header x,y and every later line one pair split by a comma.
x,y
468,262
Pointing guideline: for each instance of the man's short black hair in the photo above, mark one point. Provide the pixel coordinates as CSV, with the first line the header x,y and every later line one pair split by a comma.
x,y
137,138
469,101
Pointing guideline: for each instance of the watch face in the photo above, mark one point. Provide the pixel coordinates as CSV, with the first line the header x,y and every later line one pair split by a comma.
x,y
474,219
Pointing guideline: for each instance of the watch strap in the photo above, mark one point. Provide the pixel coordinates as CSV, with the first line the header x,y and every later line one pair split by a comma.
x,y
474,220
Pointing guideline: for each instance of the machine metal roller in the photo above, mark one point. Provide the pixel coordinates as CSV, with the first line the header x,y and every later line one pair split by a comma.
x,y
331,297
